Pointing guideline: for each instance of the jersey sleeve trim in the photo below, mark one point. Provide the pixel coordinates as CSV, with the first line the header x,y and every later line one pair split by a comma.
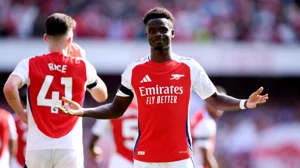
x,y
125,92
92,85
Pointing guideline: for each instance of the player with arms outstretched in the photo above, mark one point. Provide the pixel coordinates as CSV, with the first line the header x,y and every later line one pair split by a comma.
x,y
162,83
124,133
54,140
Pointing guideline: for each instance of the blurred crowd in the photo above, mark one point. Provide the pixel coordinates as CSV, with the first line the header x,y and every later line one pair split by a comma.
x,y
241,135
276,21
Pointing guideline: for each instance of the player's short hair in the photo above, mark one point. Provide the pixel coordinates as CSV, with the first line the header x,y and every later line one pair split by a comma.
x,y
58,24
158,12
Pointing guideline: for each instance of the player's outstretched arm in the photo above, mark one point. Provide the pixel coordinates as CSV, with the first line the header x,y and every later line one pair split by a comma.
x,y
228,103
11,92
108,111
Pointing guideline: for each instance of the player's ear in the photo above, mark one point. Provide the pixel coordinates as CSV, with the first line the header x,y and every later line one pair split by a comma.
x,y
173,33
69,41
45,38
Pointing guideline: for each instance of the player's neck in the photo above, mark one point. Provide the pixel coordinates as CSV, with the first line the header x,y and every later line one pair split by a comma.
x,y
161,56
54,49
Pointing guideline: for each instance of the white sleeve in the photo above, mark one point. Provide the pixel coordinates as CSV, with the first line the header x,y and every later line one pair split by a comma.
x,y
201,83
100,127
126,82
91,73
22,70
12,128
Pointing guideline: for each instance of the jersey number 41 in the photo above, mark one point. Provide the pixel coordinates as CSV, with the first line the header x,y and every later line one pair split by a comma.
x,y
54,101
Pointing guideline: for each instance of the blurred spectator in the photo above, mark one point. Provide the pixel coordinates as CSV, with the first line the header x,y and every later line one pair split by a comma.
x,y
275,21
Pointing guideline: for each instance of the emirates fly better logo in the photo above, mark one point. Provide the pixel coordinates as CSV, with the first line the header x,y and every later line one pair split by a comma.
x,y
160,94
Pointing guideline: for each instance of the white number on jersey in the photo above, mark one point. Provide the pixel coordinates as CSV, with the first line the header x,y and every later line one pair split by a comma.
x,y
54,101
129,132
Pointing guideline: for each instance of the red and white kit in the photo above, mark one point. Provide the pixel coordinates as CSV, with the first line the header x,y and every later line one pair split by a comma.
x,y
49,77
163,94
124,133
204,131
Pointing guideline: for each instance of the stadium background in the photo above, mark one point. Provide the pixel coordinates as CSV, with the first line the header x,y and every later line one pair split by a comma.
x,y
242,44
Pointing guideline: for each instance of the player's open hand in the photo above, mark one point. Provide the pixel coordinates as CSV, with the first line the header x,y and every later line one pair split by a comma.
x,y
71,108
77,51
96,153
256,99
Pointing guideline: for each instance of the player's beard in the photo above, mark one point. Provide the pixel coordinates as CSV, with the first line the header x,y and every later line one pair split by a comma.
x,y
158,48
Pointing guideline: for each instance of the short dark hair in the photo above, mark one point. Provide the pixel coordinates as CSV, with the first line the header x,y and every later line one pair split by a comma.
x,y
58,24
158,12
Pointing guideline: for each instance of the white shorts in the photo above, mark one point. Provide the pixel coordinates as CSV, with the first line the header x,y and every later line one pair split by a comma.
x,y
54,158
186,163
204,134
14,163
118,161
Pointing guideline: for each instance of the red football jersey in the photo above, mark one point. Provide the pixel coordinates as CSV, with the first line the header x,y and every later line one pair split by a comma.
x,y
124,131
4,131
49,86
22,136
50,77
163,94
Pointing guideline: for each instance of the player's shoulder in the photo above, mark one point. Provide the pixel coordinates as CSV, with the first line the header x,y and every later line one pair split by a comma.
x,y
183,59
36,59
191,62
140,61
39,56
137,62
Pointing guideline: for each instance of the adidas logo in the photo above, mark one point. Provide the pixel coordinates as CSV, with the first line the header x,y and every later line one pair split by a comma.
x,y
146,79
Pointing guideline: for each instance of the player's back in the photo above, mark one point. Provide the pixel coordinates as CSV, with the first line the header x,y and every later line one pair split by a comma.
x,y
50,77
203,128
124,131
202,124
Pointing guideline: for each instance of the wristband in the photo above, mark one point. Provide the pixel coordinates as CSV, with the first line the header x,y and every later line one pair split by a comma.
x,y
243,104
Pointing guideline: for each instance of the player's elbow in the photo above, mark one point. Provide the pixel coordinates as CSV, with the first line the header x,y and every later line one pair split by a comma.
x,y
8,88
12,85
99,94
101,97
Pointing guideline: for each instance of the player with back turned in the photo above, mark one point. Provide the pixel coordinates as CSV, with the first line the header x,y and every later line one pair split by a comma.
x,y
54,139
124,134
204,130
162,83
